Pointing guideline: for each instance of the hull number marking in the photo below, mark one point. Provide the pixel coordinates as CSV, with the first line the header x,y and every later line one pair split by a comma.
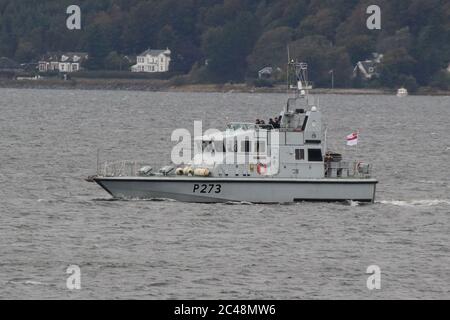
x,y
207,188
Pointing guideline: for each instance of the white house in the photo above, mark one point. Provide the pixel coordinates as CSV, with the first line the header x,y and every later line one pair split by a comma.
x,y
152,61
368,69
66,62
265,72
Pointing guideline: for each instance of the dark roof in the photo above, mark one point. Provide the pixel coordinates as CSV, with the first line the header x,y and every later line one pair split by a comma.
x,y
367,68
370,66
266,70
155,52
8,64
29,67
50,56
74,56
65,57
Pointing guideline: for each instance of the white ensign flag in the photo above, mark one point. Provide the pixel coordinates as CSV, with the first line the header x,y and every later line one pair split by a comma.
x,y
352,139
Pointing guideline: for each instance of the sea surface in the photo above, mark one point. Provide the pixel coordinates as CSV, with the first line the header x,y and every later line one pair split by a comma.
x,y
51,218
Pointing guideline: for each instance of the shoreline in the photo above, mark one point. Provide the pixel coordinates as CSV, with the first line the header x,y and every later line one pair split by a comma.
x,y
166,86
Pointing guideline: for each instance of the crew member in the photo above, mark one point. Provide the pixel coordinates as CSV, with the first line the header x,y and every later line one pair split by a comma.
x,y
272,123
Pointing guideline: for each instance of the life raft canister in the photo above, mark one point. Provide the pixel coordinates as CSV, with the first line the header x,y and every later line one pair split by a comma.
x,y
261,168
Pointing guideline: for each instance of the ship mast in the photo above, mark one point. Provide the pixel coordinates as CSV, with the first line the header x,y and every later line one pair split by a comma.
x,y
301,86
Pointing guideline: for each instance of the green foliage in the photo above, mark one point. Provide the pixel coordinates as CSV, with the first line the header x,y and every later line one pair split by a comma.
x,y
239,37
227,47
111,74
115,61
263,83
323,59
441,80
397,70
270,50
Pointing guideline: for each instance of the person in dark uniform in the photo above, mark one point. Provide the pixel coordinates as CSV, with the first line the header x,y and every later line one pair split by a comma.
x,y
279,121
276,124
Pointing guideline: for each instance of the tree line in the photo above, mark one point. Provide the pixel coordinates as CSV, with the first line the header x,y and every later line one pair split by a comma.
x,y
230,40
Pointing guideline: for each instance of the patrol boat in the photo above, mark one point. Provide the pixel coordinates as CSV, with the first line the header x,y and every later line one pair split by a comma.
x,y
256,163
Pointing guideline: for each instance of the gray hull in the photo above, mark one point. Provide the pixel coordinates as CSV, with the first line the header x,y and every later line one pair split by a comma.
x,y
204,190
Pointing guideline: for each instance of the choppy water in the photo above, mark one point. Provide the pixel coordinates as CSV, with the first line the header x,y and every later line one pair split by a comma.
x,y
51,218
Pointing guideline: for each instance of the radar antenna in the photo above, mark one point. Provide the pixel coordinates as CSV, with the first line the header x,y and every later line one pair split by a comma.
x,y
298,82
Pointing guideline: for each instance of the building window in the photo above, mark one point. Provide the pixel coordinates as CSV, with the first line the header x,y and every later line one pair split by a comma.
x,y
315,155
299,154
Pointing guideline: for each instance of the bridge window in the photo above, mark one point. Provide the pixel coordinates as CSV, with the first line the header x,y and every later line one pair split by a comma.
x,y
231,145
315,155
207,146
299,154
219,146
245,146
260,146
304,123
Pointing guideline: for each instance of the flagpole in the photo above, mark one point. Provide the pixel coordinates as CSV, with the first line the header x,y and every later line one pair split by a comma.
x,y
332,79
357,154
352,140
358,141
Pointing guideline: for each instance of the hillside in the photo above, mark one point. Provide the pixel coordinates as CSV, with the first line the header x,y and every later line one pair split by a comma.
x,y
238,37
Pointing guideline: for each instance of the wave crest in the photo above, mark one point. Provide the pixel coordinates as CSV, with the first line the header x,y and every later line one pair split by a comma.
x,y
413,203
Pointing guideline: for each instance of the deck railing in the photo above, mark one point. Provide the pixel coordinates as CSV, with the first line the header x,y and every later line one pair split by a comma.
x,y
131,168
344,169
126,168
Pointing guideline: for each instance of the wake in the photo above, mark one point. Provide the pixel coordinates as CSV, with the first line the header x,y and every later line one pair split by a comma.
x,y
413,203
